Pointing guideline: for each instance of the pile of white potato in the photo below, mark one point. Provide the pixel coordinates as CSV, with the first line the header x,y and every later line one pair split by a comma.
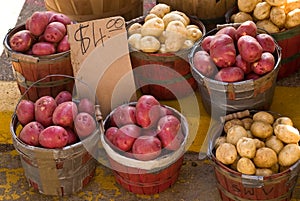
x,y
271,15
259,145
163,31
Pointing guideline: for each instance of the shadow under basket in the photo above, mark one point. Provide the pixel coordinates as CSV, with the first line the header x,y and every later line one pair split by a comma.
x,y
166,76
29,69
146,177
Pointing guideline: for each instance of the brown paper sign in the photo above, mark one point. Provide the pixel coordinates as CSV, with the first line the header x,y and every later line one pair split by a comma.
x,y
100,58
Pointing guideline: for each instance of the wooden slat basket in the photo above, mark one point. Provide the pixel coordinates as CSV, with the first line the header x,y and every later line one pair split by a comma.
x,y
85,10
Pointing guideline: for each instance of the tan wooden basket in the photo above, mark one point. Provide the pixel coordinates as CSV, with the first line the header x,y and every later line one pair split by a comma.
x,y
85,10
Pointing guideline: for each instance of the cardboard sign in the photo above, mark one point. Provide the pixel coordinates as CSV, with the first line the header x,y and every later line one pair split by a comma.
x,y
100,58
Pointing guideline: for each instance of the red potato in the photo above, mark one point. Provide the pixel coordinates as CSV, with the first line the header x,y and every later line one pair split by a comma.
x,y
167,129
230,74
204,63
41,38
124,114
25,111
30,133
21,41
43,48
84,124
63,96
147,111
165,111
252,76
246,28
85,105
149,132
241,63
267,42
264,65
72,137
126,136
146,148
63,45
50,14
59,17
64,114
53,137
230,31
43,111
205,44
110,134
38,23
54,32
249,48
176,143
222,50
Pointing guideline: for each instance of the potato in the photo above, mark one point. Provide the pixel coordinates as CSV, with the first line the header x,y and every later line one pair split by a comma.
x,y
263,172
263,116
246,166
235,133
63,45
232,122
205,44
283,120
148,17
258,143
54,32
289,155
84,124
37,23
25,111
276,2
230,31
169,17
246,147
220,140
291,5
226,153
60,17
278,16
21,41
86,105
247,122
292,19
204,64
261,129
176,34
134,41
268,26
287,134
186,18
230,74
241,17
187,44
246,28
242,64
63,96
274,143
149,44
246,5
153,27
265,157
160,9
222,50
194,34
134,28
267,42
53,137
64,114
43,110
30,133
262,10
43,48
249,48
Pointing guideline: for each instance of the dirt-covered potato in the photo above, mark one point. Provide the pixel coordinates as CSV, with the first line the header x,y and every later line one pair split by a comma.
x,y
278,16
246,5
246,166
292,19
263,116
235,133
232,122
283,120
226,153
289,155
274,143
261,129
287,134
262,11
246,147
241,17
263,172
265,157
268,26
247,122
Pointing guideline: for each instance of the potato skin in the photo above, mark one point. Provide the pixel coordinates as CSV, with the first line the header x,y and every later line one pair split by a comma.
x,y
249,48
43,48
246,166
263,116
289,155
246,147
226,153
286,133
261,129
235,133
204,64
274,143
264,65
230,74
265,157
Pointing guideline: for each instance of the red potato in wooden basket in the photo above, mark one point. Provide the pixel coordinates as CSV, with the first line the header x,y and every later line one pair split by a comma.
x,y
30,133
54,32
63,45
37,23
126,135
21,41
64,114
124,114
110,134
43,48
60,17
44,108
53,137
25,111
146,148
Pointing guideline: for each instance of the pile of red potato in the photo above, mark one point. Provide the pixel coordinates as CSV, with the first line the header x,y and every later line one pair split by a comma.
x,y
144,130
55,122
236,54
45,33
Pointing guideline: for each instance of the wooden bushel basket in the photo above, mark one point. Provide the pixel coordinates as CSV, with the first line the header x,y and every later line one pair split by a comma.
x,y
28,69
166,76
85,10
146,177
61,171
